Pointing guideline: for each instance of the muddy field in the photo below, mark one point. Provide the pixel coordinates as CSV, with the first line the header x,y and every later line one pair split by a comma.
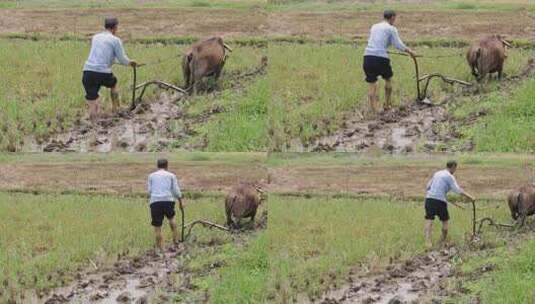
x,y
147,278
126,178
393,181
156,123
256,22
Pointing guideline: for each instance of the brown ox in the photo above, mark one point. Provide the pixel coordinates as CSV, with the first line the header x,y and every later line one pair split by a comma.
x,y
204,58
522,202
242,202
487,56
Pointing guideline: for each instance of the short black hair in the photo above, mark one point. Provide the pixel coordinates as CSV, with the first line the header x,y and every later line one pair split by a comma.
x,y
110,23
162,163
388,14
451,164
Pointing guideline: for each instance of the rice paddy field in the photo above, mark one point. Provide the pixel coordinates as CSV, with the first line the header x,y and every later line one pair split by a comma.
x,y
342,215
42,93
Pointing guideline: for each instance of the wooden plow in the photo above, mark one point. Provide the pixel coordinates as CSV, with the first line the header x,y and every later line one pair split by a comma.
x,y
421,90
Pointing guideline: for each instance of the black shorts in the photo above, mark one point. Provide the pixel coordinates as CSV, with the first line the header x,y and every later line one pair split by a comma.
x,y
92,82
375,66
160,209
434,208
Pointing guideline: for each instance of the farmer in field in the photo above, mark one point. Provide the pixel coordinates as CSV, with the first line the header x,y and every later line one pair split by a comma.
x,y
436,202
106,48
376,61
163,191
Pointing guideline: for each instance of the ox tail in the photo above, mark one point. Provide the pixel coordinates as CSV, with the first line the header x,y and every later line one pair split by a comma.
x,y
478,63
518,202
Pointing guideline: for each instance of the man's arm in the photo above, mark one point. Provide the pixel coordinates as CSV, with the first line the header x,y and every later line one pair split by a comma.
x,y
121,55
455,188
398,44
149,186
176,189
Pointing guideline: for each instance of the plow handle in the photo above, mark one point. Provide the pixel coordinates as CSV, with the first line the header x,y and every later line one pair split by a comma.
x,y
133,105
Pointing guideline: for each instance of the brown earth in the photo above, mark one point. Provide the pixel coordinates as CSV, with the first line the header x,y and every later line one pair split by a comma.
x,y
121,179
429,277
165,22
412,25
404,282
390,180
407,181
135,23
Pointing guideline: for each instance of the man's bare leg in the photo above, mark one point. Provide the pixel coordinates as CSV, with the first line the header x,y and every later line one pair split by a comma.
x,y
174,230
159,238
94,110
372,97
428,230
388,94
115,104
444,237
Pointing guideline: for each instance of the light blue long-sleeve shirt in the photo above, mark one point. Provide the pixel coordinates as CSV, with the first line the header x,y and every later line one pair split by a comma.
x,y
105,49
441,183
382,35
163,187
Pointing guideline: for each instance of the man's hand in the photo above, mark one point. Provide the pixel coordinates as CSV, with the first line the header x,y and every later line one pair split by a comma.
x,y
411,52
132,63
469,197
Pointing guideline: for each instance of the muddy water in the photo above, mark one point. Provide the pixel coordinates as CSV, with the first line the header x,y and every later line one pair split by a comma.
x,y
155,125
405,282
399,130
146,278
149,126
127,281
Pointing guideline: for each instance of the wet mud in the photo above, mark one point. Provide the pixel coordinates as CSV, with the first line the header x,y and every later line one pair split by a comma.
x,y
399,130
161,124
405,282
420,126
146,278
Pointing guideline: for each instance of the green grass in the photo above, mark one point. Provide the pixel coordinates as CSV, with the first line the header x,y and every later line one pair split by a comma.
x,y
42,246
314,85
52,235
243,127
354,159
510,123
178,159
510,282
315,241
41,91
244,279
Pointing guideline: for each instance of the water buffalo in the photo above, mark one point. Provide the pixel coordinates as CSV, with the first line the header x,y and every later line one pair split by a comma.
x,y
522,202
487,56
204,58
242,201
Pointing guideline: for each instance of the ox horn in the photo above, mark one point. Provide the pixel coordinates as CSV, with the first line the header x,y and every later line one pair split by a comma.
x,y
502,39
259,189
506,43
227,47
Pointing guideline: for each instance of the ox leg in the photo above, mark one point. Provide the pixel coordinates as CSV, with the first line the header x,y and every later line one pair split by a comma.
x,y
251,222
229,217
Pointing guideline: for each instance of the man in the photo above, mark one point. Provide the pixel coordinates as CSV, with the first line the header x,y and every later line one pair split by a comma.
x,y
436,201
106,48
376,61
163,190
